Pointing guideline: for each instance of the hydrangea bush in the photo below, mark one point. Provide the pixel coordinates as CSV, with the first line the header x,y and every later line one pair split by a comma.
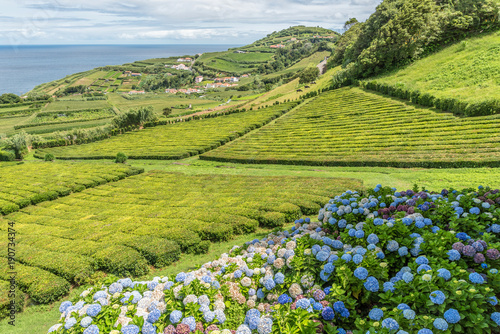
x,y
383,261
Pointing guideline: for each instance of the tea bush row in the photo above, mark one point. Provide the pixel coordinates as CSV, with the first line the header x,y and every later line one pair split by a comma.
x,y
174,141
125,227
351,127
31,183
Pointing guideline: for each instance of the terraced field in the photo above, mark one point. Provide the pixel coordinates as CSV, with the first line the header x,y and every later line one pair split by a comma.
x,y
35,182
176,141
351,127
124,227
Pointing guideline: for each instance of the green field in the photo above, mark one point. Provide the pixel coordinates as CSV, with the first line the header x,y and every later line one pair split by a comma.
x,y
76,105
467,71
161,101
120,220
175,141
312,60
31,183
350,127
251,57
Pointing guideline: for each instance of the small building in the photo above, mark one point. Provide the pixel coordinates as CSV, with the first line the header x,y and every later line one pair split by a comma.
x,y
135,74
239,51
277,46
185,59
171,91
234,79
136,92
198,79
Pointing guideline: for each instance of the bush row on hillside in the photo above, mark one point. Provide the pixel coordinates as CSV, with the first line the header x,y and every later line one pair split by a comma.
x,y
6,289
381,261
42,286
199,134
352,127
17,113
53,181
461,108
24,126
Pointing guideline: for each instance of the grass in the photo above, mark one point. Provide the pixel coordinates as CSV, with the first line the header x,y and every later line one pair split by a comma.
x,y
75,105
314,59
351,127
256,57
165,141
402,178
50,129
467,71
161,101
7,124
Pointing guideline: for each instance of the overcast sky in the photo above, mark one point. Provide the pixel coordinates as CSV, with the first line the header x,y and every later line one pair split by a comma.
x,y
166,21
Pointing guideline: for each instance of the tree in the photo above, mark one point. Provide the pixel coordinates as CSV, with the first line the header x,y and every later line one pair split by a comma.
x,y
135,117
9,98
20,143
309,74
167,111
349,23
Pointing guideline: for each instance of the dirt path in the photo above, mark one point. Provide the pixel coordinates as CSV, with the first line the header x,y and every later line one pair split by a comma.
x,y
321,67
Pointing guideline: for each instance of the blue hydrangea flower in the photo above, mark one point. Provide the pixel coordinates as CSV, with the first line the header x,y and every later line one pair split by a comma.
x,y
372,239
208,316
409,314
421,260
100,294
371,284
130,329
279,278
260,294
269,284
390,324
495,316
389,286
322,256
444,273
328,313
92,329
424,267
238,273
437,297
392,246
403,251
452,316
360,234
64,306
475,211
493,300
94,310
153,316
303,303
329,268
85,322
70,323
454,255
380,255
376,314
180,277
175,316
358,258
115,287
324,275
476,278
346,257
361,273
284,299
190,321
440,324
148,328
407,277
424,331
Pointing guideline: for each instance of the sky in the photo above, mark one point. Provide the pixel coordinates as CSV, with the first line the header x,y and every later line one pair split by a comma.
x,y
32,22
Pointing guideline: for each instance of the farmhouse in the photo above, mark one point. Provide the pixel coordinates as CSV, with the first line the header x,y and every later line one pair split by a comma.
x,y
277,46
180,67
135,74
171,91
198,79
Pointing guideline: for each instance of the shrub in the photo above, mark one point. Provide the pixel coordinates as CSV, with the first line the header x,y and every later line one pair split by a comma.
x,y
49,157
121,261
7,156
121,158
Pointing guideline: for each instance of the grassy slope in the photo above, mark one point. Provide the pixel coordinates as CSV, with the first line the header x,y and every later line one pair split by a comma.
x,y
468,71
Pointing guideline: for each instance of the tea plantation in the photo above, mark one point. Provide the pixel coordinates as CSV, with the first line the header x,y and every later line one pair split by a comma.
x,y
353,127
174,141
147,220
31,183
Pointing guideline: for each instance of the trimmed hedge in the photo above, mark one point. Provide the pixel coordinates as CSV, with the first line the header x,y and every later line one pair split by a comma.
x,y
42,286
33,183
5,299
353,127
460,108
121,261
189,137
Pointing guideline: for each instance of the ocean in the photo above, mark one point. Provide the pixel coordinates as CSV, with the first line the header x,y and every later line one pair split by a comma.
x,y
24,67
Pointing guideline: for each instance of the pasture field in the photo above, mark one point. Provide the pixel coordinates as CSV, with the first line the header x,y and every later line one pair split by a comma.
x,y
161,101
174,141
60,117
467,71
141,220
49,129
31,183
351,127
253,57
65,105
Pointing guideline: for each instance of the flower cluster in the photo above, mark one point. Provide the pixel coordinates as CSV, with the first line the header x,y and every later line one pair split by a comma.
x,y
390,261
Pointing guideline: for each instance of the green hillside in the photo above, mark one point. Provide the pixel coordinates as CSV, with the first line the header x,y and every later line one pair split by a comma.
x,y
468,72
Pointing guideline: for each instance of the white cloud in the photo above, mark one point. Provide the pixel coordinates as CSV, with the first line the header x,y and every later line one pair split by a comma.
x,y
162,21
